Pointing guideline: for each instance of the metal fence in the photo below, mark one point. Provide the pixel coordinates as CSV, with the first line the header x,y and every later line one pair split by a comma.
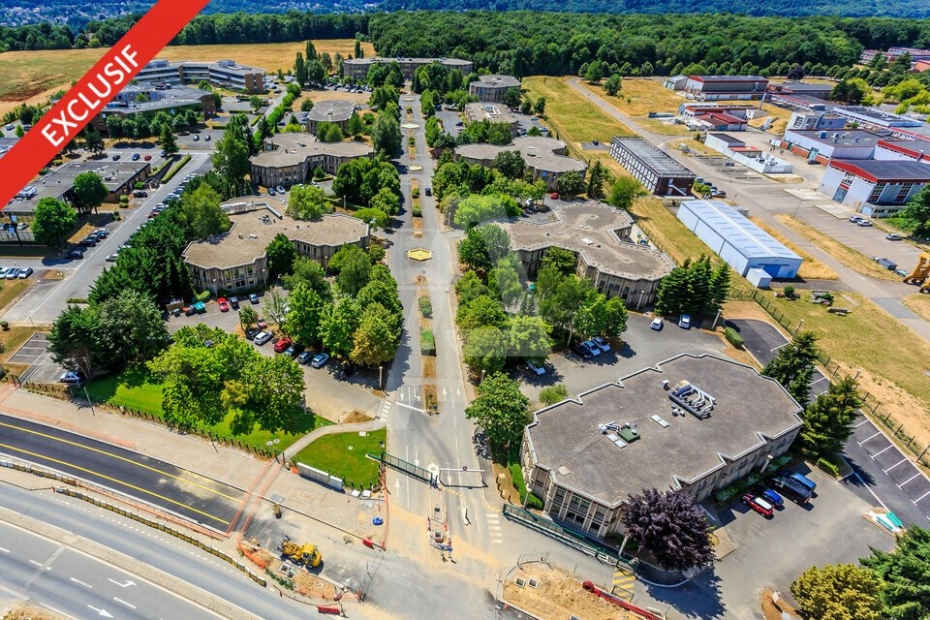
x,y
404,467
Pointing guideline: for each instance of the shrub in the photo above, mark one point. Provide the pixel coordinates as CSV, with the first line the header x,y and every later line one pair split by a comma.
x,y
5,325
553,394
427,342
733,337
417,211
828,467
409,110
202,296
319,173
77,300
416,192
789,292
138,185
516,473
124,198
426,306
412,141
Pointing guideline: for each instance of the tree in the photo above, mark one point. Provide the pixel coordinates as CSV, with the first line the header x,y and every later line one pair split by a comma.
x,y
512,97
300,69
115,126
74,341
306,311
51,219
794,364
385,134
386,200
231,159
829,420
375,340
917,213
480,312
274,389
306,105
529,338
624,191
358,50
500,409
311,273
194,381
561,260
596,177
132,329
853,91
469,287
838,592
595,72
355,126
540,107
280,255
671,526
89,191
510,164
93,141
504,280
202,210
337,326
20,132
169,146
613,85
905,591
307,202
247,317
475,209
570,183
353,269
485,349
329,132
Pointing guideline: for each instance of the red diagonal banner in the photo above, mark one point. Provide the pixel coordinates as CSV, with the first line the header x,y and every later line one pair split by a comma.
x,y
90,96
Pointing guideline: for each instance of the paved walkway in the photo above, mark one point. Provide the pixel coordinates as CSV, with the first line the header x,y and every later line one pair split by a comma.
x,y
332,429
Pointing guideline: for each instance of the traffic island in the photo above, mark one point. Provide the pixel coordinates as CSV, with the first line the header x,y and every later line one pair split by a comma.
x,y
419,254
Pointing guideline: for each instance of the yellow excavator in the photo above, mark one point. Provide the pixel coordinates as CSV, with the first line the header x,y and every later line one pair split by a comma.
x,y
921,273
307,554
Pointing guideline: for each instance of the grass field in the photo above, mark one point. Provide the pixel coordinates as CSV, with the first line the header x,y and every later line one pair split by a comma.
x,y
811,268
34,75
140,391
343,455
11,289
919,304
667,231
856,261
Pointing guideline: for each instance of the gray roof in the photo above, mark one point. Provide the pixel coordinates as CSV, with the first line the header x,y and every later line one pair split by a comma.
x,y
57,182
839,137
332,111
176,96
739,231
749,408
588,229
537,152
291,149
656,160
728,78
478,111
804,87
885,170
498,81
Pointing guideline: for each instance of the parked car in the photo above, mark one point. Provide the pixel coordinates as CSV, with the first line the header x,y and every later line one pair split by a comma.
x,y
657,324
685,321
792,489
262,337
555,195
24,272
262,324
854,218
893,237
12,273
76,253
536,369
253,298
116,157
206,138
768,495
281,345
807,482
136,157
88,242
864,224
319,360
271,191
345,371
112,258
294,350
428,191
223,304
251,333
102,232
190,311
759,505
581,350
10,127
234,303
74,377
147,158
601,344
196,138
280,189
592,348
305,357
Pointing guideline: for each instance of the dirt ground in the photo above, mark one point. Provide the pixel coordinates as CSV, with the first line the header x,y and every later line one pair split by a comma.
x,y
773,611
558,596
29,612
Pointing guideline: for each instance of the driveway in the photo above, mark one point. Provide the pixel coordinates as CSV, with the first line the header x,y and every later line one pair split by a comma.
x,y
883,475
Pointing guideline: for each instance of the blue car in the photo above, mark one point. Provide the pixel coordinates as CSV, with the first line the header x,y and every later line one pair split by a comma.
x,y
787,473
769,495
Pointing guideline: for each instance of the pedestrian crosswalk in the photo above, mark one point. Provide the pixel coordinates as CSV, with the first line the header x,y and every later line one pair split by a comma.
x,y
385,408
494,528
624,582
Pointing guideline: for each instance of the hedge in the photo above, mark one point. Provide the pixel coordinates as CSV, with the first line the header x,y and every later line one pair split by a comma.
x,y
176,169
828,467
427,342
733,336
426,306
516,472
417,211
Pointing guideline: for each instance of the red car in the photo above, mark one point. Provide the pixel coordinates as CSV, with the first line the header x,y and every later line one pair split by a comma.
x,y
282,345
147,158
555,195
223,304
261,323
759,505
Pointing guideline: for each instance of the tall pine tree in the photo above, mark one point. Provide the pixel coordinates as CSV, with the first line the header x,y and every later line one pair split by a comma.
x,y
794,365
829,420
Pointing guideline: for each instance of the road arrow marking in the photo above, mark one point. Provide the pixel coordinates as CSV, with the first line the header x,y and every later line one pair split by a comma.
x,y
122,602
101,612
129,582
81,583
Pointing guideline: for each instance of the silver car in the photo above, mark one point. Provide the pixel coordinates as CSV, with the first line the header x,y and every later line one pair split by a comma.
x,y
262,337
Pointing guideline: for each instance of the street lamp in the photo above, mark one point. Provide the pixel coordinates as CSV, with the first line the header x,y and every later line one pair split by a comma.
x,y
795,216
380,377
272,443
214,287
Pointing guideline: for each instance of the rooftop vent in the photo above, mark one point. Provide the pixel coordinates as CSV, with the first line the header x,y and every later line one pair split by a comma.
x,y
693,400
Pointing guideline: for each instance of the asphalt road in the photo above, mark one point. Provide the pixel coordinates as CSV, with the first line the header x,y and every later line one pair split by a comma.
x,y
882,473
179,491
79,586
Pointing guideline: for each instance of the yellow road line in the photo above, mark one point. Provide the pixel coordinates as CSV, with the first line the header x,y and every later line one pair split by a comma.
x,y
124,459
116,480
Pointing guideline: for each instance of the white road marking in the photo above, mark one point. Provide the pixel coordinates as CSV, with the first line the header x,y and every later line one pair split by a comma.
x,y
889,447
893,466
877,433
864,485
122,602
921,497
34,563
917,475
861,423
405,405
2,550
81,583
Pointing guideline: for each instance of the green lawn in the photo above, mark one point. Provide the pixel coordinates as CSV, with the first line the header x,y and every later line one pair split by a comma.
x,y
343,455
140,391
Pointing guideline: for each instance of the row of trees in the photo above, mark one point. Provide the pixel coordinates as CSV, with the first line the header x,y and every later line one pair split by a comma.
x,y
698,288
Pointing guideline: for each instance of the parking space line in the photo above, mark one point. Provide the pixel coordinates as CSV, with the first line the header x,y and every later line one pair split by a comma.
x,y
864,485
866,421
917,475
893,466
921,497
877,433
888,447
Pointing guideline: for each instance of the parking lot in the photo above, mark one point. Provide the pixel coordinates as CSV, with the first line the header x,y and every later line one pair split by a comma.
x,y
188,141
43,368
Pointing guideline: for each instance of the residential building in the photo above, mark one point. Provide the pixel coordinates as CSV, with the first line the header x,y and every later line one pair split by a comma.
x,y
820,91
697,423
226,73
894,53
545,157
737,240
712,87
876,188
822,146
357,68
815,121
491,88
477,112
659,173
137,99
921,66
337,111
290,158
236,261
914,150
599,236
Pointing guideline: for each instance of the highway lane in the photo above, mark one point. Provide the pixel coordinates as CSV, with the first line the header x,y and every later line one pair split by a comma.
x,y
156,482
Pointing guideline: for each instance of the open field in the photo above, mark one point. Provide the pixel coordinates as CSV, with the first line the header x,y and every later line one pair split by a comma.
x,y
811,268
571,115
666,231
343,455
34,75
640,96
919,304
856,261
11,289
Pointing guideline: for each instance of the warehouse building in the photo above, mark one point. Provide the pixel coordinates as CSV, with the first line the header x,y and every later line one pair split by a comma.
x,y
658,172
815,121
822,146
902,150
752,252
713,87
876,188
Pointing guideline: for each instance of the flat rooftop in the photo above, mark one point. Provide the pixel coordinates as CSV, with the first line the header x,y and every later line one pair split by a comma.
x,y
885,171
254,226
748,408
842,137
490,112
291,149
878,115
60,180
588,229
333,111
537,152
803,87
738,230
162,99
445,61
728,78
657,161
500,81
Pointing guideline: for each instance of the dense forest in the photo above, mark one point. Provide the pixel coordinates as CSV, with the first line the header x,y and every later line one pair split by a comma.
x,y
524,43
